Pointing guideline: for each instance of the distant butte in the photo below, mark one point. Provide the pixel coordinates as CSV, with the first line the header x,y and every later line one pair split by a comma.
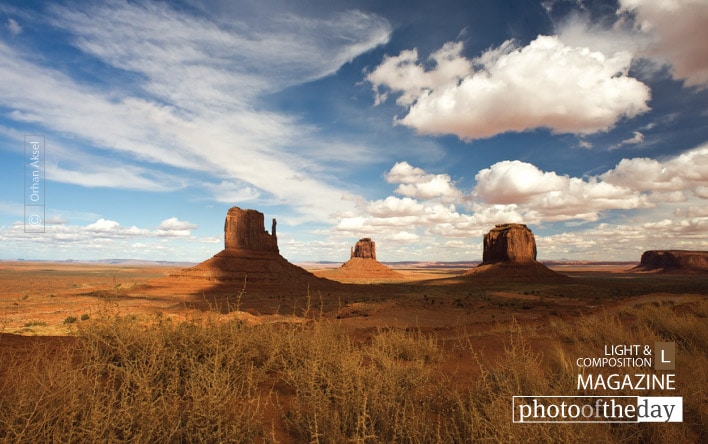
x,y
510,253
250,255
677,261
362,263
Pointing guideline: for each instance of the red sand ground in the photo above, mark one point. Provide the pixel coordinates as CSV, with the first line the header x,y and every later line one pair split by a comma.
x,y
37,298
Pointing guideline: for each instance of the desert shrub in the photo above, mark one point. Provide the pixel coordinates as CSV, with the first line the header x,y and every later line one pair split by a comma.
x,y
35,324
371,393
212,380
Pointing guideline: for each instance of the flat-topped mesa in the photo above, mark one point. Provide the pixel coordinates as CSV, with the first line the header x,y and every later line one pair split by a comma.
x,y
245,230
365,248
674,260
509,243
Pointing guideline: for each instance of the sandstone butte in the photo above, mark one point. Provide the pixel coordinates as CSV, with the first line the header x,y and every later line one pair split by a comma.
x,y
510,253
250,255
677,261
362,263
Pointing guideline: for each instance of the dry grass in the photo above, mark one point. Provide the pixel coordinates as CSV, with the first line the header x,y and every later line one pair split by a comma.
x,y
206,380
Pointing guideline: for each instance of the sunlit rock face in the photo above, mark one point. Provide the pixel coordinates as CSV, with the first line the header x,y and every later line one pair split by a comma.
x,y
365,248
510,255
362,263
250,255
245,230
509,243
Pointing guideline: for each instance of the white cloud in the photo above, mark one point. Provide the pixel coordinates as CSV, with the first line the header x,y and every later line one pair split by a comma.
x,y
687,172
514,181
680,35
668,190
636,183
415,183
396,207
103,226
627,242
404,237
546,196
634,140
175,224
546,84
154,39
106,238
230,193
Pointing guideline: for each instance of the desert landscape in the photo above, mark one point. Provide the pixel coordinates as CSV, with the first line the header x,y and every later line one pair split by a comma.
x,y
443,221
247,347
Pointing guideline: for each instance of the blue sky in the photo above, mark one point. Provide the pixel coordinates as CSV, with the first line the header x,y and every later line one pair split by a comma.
x,y
419,124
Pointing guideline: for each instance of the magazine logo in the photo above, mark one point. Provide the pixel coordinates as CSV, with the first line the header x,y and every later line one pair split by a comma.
x,y
627,368
548,409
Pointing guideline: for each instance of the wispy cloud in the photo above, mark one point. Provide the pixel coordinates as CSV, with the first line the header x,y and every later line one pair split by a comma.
x,y
13,27
200,109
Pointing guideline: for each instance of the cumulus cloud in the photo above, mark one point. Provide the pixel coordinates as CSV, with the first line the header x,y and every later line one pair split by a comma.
x,y
173,224
680,35
171,227
106,238
516,191
546,84
416,183
103,226
687,172
633,184
514,181
626,241
550,197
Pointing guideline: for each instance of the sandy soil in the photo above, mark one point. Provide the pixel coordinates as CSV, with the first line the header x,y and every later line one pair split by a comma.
x,y
40,298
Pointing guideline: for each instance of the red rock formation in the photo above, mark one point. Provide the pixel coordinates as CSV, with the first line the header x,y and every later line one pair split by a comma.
x,y
250,254
674,260
365,248
509,243
362,264
510,254
245,230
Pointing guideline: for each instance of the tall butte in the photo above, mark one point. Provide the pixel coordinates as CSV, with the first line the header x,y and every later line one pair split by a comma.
x,y
510,253
509,243
244,230
250,255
